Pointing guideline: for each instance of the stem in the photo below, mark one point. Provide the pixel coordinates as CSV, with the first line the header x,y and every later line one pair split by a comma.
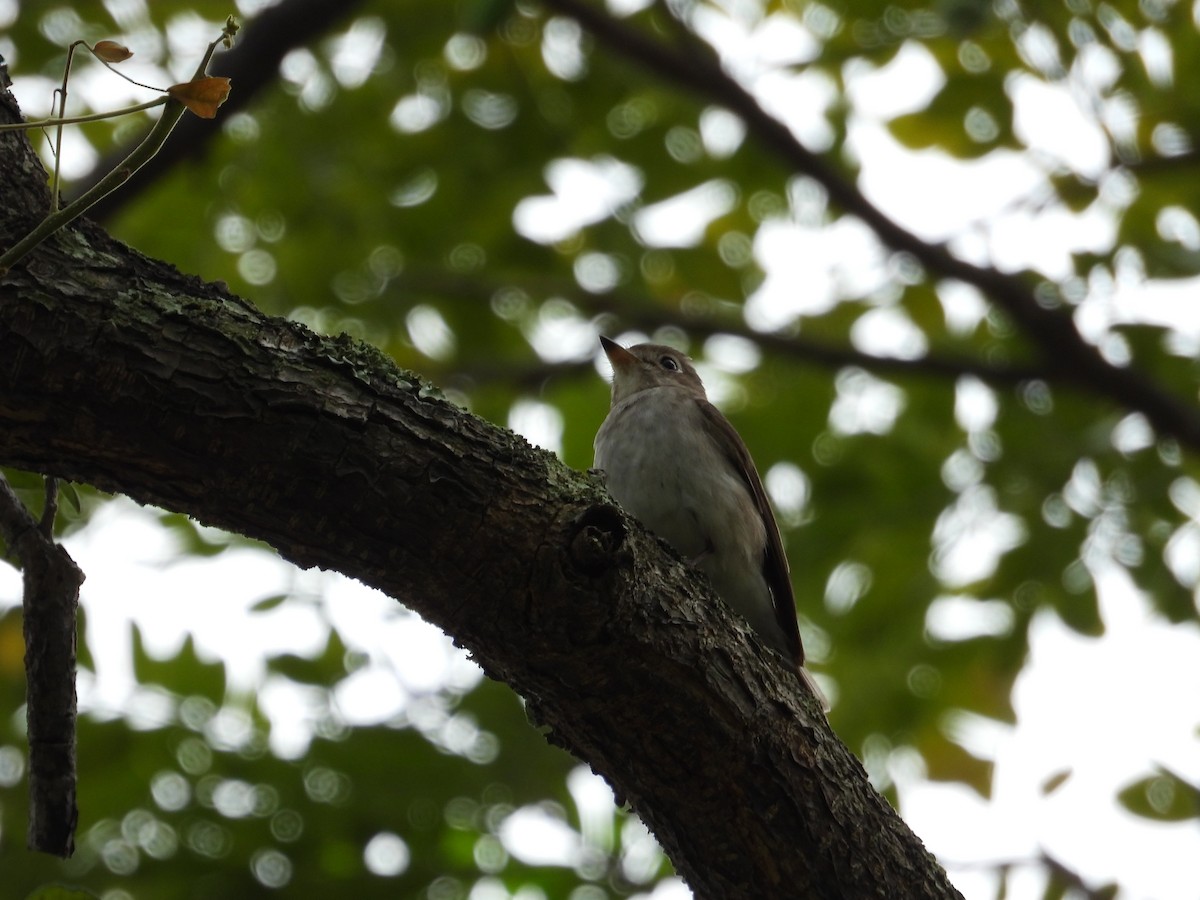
x,y
62,112
89,117
140,155
50,510
173,110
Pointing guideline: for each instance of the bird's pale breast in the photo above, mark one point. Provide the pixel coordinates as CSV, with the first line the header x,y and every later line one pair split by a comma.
x,y
664,467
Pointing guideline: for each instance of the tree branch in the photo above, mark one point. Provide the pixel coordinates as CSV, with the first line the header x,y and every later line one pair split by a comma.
x,y
639,312
181,397
49,603
135,378
321,448
1051,330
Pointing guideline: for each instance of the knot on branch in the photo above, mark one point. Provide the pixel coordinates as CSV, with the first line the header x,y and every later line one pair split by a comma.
x,y
597,534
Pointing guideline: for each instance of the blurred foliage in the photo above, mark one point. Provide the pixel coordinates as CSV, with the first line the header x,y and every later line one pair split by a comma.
x,y
1164,796
379,188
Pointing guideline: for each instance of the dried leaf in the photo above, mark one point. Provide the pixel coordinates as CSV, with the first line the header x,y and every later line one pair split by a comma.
x,y
111,51
201,96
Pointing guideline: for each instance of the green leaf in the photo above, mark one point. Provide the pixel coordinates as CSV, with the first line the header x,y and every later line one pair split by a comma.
x,y
965,119
1164,797
69,492
484,16
184,674
195,542
61,892
269,603
328,667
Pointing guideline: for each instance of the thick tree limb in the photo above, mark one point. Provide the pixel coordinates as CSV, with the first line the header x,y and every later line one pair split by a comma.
x,y
179,396
118,371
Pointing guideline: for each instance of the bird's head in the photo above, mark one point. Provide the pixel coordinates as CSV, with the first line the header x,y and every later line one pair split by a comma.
x,y
645,366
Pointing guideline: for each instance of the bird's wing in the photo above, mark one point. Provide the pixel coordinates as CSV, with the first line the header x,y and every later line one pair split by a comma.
x,y
775,564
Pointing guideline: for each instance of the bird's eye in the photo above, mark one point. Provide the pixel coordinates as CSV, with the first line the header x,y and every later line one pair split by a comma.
x,y
669,363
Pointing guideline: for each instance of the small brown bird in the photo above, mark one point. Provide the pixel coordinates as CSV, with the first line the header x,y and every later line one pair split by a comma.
x,y
672,460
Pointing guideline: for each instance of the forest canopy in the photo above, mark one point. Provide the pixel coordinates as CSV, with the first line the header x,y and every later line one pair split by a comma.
x,y
936,262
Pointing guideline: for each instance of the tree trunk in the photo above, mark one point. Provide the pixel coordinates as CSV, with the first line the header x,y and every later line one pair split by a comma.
x,y
118,371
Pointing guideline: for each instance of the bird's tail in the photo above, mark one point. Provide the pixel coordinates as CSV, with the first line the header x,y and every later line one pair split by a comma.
x,y
811,683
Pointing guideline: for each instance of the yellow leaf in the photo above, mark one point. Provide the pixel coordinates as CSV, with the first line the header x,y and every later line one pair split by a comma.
x,y
111,51
201,96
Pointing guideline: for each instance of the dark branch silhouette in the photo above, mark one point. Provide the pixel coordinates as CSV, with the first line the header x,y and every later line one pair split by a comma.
x,y
643,312
51,598
1063,350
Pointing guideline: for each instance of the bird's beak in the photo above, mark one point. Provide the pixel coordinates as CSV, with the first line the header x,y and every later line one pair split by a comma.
x,y
621,359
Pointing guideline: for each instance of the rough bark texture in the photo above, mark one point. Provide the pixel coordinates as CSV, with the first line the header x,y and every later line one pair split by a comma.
x,y
118,371
51,599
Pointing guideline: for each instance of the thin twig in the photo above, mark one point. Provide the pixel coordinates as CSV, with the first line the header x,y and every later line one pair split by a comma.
x,y
50,509
173,110
58,132
89,117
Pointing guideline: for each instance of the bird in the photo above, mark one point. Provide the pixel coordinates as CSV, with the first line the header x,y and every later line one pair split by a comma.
x,y
674,462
